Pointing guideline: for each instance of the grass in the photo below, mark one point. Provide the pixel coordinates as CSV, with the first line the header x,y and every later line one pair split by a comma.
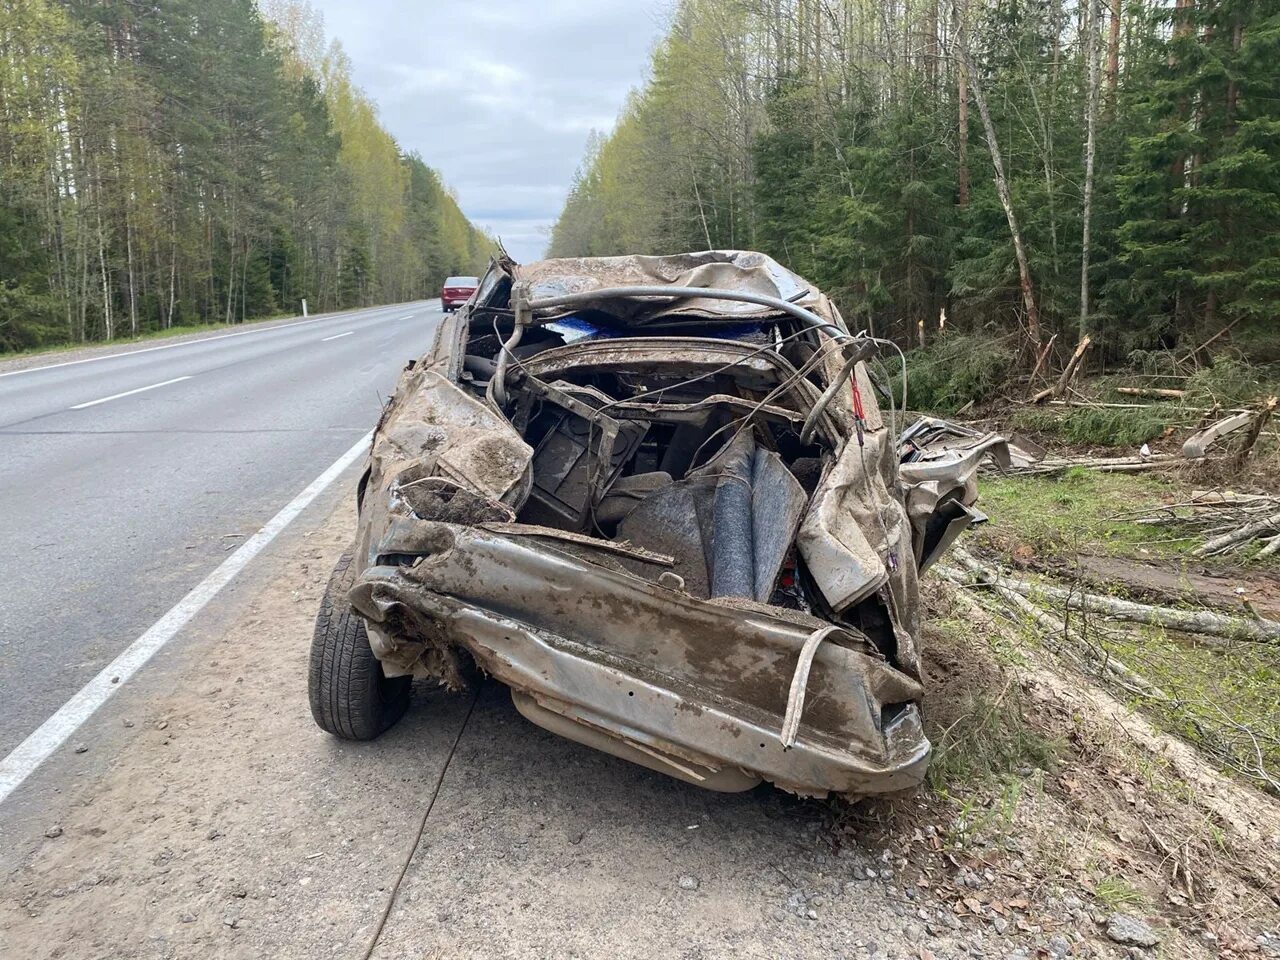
x,y
1222,700
991,739
1076,511
980,732
1115,894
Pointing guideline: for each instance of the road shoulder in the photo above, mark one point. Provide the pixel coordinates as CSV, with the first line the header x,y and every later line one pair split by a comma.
x,y
208,816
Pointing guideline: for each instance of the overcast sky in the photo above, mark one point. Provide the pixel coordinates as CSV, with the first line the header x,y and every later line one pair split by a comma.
x,y
498,95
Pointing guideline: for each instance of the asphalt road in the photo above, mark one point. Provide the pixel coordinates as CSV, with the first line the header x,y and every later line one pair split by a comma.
x,y
126,479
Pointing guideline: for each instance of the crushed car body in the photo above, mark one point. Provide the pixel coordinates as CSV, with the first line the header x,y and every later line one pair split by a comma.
x,y
658,499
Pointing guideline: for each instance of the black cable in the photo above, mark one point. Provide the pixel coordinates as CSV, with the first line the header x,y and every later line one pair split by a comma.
x,y
422,828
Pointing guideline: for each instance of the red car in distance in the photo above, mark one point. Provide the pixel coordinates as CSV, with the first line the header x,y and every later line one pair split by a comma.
x,y
457,291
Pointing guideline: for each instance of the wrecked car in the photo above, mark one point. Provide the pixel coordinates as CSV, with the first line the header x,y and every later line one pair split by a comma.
x,y
658,499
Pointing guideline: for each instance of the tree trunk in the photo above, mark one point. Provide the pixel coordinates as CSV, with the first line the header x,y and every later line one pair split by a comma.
x,y
107,320
133,291
1006,198
1171,618
1233,87
962,137
931,42
1113,53
1091,114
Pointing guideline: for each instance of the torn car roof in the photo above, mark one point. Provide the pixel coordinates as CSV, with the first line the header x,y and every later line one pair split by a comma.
x,y
733,270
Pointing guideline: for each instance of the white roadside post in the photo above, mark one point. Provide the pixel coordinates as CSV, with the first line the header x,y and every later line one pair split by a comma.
x,y
304,306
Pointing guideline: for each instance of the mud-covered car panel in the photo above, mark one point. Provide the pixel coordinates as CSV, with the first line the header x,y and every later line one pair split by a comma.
x,y
674,525
703,681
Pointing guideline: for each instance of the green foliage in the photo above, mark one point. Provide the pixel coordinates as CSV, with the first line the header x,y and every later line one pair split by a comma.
x,y
956,370
1229,382
1200,186
27,319
184,161
991,738
843,158
1097,426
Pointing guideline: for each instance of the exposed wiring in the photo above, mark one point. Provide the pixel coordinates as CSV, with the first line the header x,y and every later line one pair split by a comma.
x,y
703,376
888,392
422,827
795,377
903,357
811,421
766,348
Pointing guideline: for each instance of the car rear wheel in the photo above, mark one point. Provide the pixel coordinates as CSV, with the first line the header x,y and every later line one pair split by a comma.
x,y
350,696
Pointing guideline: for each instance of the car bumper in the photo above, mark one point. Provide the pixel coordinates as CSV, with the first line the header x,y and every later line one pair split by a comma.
x,y
694,688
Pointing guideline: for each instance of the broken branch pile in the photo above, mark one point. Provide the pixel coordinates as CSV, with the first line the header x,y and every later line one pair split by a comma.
x,y
1136,464
1229,521
1203,622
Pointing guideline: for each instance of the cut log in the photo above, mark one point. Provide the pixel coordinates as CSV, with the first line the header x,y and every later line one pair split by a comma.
x,y
1228,497
1155,461
1151,392
1190,621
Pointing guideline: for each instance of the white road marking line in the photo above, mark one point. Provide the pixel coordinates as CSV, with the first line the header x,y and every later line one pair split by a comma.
x,y
336,336
40,745
127,393
408,316
184,343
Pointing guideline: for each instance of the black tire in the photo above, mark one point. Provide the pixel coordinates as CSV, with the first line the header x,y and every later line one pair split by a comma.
x,y
350,696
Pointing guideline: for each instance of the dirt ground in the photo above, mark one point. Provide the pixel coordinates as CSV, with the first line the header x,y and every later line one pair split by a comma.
x,y
1162,583
208,817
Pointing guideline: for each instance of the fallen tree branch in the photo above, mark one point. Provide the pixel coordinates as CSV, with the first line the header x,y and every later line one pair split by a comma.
x,y
1069,371
1155,461
1246,813
1151,392
1238,535
1222,332
1044,354
1189,621
1058,634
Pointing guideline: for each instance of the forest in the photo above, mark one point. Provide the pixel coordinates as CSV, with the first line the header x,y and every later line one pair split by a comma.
x,y
169,163
992,175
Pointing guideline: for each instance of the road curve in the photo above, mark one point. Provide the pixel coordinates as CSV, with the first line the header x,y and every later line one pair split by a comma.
x,y
126,478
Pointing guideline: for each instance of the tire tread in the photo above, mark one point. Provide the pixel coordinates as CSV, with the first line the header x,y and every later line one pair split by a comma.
x,y
348,693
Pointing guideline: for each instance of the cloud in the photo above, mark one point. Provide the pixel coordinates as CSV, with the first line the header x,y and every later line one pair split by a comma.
x,y
499,96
